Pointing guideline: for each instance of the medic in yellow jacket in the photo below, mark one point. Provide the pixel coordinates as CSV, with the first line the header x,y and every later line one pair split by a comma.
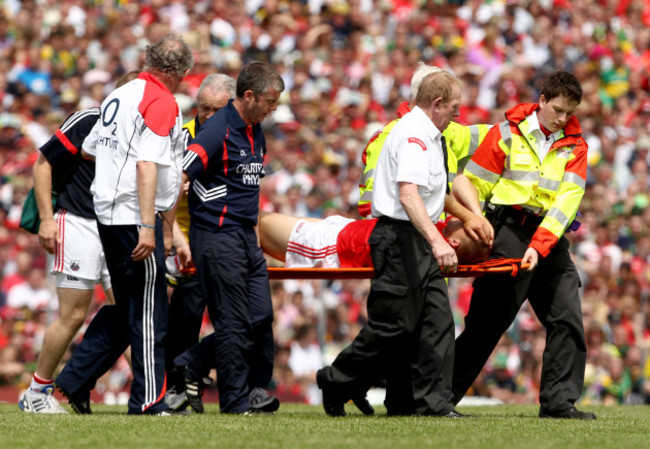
x,y
461,141
506,170
182,210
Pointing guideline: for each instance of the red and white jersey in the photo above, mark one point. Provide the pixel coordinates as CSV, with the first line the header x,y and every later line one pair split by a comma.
x,y
412,153
313,244
352,244
139,121
335,242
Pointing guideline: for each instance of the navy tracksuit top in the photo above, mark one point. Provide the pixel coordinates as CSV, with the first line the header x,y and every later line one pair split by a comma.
x,y
225,164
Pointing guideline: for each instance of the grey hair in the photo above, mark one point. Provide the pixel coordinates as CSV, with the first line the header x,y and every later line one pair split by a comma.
x,y
258,77
219,81
420,73
169,55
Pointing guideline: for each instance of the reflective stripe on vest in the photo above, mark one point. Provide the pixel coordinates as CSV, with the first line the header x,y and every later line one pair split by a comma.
x,y
474,139
575,179
556,213
506,133
366,194
482,173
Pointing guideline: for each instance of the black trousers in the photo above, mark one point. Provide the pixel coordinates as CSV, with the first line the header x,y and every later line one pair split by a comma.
x,y
552,289
138,318
199,359
410,330
235,283
186,308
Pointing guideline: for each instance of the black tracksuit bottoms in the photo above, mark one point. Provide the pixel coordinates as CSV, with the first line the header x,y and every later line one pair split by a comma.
x,y
235,283
552,289
186,309
139,318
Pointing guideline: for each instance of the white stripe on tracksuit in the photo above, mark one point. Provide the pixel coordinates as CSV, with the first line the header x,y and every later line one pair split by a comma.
x,y
76,117
188,159
207,195
148,360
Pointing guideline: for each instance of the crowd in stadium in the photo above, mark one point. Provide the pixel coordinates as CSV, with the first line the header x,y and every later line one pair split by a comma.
x,y
347,67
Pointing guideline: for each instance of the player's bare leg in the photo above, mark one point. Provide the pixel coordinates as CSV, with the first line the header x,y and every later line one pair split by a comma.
x,y
73,309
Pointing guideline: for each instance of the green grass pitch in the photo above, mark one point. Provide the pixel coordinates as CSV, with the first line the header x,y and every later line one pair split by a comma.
x,y
303,426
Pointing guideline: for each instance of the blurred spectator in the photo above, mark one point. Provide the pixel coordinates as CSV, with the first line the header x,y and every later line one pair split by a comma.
x,y
500,383
470,112
16,271
305,359
33,293
292,174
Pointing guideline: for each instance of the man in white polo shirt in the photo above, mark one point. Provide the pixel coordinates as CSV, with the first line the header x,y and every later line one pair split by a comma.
x,y
138,145
410,329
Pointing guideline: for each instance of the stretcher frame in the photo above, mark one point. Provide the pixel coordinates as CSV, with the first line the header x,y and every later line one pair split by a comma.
x,y
511,266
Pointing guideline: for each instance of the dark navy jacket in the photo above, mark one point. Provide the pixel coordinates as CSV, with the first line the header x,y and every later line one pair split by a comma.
x,y
63,152
225,164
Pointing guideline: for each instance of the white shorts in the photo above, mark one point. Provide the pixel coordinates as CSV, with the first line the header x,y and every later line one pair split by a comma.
x,y
79,257
313,244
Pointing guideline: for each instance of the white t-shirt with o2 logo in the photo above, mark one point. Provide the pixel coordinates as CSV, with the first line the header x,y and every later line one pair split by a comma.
x,y
139,121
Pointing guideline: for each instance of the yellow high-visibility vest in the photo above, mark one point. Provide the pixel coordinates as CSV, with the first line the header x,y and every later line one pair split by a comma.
x,y
462,142
183,210
369,160
506,170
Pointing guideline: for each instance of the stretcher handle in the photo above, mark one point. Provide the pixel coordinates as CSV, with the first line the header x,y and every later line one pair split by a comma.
x,y
492,266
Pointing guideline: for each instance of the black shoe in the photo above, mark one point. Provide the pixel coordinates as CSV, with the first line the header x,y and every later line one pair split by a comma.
x,y
261,400
569,413
80,402
332,402
194,392
455,414
363,405
175,400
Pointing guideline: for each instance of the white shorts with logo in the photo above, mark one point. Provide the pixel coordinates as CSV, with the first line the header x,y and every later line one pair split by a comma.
x,y
79,257
313,244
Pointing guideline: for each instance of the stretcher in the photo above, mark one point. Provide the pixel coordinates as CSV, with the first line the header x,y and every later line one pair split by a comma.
x,y
511,266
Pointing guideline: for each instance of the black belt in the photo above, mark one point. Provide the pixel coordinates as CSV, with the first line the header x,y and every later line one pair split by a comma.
x,y
396,221
517,216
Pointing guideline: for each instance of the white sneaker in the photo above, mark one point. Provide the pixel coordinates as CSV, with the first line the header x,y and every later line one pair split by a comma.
x,y
170,412
40,401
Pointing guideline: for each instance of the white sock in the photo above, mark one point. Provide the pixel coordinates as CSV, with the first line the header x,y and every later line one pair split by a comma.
x,y
38,384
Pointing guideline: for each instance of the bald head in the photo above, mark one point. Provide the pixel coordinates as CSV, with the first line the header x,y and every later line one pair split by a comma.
x,y
214,93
